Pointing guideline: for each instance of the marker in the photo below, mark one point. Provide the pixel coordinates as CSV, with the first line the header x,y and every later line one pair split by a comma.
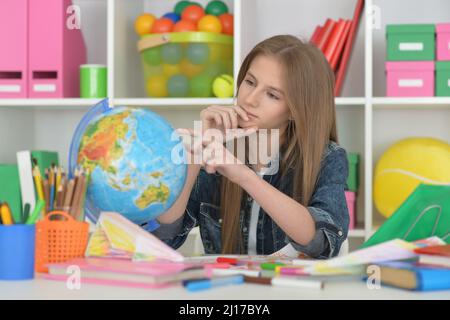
x,y
213,283
217,266
285,282
5,212
227,260
270,265
35,215
291,271
26,212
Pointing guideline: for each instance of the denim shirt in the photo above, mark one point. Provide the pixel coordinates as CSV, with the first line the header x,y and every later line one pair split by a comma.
x,y
327,206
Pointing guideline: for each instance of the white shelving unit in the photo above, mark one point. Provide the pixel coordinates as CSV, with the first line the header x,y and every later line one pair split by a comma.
x,y
367,122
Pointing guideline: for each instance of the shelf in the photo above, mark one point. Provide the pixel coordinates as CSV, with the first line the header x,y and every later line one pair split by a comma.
x,y
356,233
173,103
45,104
424,103
344,101
176,103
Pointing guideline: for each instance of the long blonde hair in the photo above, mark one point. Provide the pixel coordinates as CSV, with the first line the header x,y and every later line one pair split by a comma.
x,y
309,95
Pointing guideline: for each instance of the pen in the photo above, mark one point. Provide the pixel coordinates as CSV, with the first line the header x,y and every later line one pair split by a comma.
x,y
226,260
285,282
68,196
35,215
52,188
291,270
213,283
26,212
37,179
270,265
58,177
6,214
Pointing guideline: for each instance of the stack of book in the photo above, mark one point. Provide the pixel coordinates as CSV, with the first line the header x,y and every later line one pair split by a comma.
x,y
422,265
431,271
335,38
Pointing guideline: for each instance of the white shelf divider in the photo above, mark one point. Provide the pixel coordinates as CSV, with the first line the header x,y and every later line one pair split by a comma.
x,y
368,118
110,50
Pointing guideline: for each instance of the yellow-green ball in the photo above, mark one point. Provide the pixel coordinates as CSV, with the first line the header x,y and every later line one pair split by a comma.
x,y
157,86
223,86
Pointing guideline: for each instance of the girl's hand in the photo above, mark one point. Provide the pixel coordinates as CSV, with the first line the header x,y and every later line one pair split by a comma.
x,y
217,158
192,142
222,117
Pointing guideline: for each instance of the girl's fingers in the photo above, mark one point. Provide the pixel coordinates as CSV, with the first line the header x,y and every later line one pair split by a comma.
x,y
233,115
211,115
240,133
241,112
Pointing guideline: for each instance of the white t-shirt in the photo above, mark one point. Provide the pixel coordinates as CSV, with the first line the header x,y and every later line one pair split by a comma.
x,y
254,216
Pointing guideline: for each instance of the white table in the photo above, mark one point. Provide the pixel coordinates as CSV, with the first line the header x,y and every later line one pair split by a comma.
x,y
45,289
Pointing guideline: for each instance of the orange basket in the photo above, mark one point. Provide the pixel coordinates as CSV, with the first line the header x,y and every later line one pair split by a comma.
x,y
59,240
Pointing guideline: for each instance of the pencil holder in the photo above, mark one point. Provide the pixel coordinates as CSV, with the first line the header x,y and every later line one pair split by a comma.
x,y
17,243
59,240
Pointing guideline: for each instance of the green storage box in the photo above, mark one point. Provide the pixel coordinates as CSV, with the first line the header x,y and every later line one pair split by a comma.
x,y
10,189
442,78
410,42
353,168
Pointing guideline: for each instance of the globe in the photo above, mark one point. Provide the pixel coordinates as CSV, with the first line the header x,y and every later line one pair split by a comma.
x,y
135,160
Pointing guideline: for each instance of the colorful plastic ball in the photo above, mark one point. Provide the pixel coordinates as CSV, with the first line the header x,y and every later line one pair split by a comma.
x,y
152,56
171,53
193,3
189,69
144,23
162,25
227,21
172,16
201,86
215,51
157,86
209,23
193,13
197,53
214,69
180,6
216,8
178,86
223,86
170,69
185,26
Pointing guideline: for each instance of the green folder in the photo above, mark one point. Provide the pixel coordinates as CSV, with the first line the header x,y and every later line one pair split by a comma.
x,y
10,189
425,213
45,159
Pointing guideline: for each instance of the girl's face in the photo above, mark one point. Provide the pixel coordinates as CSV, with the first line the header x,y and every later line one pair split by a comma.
x,y
262,95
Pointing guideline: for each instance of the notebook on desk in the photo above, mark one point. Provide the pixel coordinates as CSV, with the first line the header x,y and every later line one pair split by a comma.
x,y
126,272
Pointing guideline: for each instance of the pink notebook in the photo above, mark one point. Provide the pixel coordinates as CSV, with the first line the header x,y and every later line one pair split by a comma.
x,y
127,273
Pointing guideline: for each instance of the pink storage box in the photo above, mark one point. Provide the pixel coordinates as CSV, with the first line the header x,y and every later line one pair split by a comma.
x,y
443,41
13,53
56,49
351,205
410,79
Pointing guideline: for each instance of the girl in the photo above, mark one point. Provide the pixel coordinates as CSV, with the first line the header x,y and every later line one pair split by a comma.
x,y
287,85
